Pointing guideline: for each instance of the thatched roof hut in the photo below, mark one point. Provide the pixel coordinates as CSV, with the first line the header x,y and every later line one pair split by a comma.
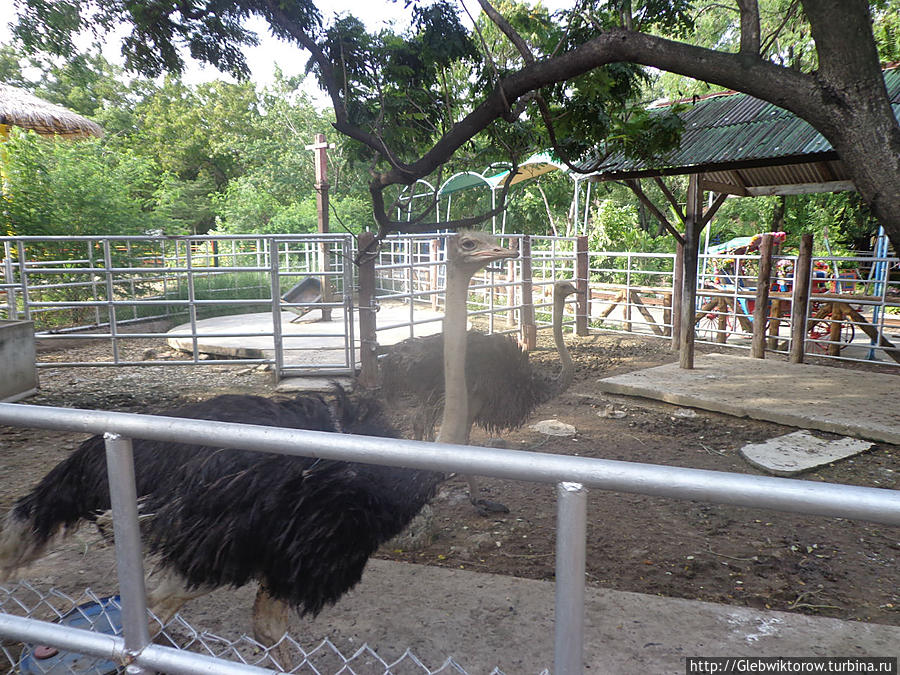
x,y
22,109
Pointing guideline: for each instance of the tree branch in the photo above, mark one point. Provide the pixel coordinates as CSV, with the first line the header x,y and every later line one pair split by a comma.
x,y
749,27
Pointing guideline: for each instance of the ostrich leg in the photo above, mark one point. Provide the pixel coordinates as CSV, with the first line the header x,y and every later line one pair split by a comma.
x,y
270,620
169,594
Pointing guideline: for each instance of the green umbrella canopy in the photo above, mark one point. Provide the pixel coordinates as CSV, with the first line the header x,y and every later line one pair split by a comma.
x,y
22,109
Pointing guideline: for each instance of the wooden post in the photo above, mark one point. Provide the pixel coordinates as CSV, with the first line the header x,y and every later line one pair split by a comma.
x,y
721,321
800,299
321,149
761,309
677,276
529,328
774,323
368,336
667,314
692,227
582,283
834,333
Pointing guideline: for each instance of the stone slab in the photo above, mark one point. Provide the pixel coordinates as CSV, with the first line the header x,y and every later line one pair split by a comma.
x,y
847,402
800,451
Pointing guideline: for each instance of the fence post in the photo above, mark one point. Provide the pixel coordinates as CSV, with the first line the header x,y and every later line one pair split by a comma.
x,y
761,310
571,533
434,247
528,327
368,336
800,300
277,334
129,555
677,277
582,283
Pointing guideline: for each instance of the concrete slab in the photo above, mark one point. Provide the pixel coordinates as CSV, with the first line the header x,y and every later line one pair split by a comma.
x,y
851,403
484,621
307,342
800,451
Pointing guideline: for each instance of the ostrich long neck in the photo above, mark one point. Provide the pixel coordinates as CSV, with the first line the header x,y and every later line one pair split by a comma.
x,y
455,423
567,369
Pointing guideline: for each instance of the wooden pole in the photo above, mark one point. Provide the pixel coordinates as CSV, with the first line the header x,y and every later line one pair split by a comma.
x,y
321,161
834,332
774,323
368,336
582,272
667,314
761,309
692,226
677,276
800,299
722,321
529,328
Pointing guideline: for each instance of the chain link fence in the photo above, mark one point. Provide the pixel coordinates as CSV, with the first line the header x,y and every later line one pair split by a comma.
x,y
93,611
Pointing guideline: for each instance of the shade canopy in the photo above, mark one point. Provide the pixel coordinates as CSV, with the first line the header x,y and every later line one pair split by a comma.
x,y
22,109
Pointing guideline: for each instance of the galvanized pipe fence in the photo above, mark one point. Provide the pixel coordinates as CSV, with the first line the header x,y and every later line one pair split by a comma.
x,y
105,288
572,475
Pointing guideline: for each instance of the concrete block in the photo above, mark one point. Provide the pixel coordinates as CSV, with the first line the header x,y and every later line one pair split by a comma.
x,y
18,373
800,451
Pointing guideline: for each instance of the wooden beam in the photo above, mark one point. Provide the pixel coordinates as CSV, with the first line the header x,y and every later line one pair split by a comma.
x,y
801,188
670,198
728,188
646,201
711,211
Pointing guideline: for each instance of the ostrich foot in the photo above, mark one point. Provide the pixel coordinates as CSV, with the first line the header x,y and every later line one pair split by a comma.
x,y
486,507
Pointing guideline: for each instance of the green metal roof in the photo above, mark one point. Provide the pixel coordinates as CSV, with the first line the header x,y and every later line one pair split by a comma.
x,y
731,129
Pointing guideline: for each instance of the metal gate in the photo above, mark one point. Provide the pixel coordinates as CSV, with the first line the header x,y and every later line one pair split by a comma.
x,y
312,305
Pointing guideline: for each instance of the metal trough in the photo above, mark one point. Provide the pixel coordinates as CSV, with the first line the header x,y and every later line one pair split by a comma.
x,y
304,296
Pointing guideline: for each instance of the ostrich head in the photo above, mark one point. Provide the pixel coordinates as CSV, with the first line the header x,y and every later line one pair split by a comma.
x,y
469,251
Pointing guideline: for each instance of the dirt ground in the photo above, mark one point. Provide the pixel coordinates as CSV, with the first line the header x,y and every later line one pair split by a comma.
x,y
763,559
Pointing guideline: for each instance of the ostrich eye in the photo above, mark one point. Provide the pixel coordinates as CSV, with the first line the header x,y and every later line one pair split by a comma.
x,y
467,244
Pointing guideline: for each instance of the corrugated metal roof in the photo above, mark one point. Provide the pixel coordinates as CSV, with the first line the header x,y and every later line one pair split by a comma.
x,y
730,129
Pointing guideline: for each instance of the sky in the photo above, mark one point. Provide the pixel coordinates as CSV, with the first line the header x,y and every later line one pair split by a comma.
x,y
263,59
271,51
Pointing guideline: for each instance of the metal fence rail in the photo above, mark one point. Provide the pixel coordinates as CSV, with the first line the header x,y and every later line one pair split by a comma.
x,y
103,288
571,474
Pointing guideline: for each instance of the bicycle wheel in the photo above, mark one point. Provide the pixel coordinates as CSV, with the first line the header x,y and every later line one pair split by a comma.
x,y
708,329
819,333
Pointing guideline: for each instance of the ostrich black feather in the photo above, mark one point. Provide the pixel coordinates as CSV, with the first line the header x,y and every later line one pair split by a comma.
x,y
302,527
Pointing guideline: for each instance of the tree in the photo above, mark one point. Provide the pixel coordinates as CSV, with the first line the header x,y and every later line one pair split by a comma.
x,y
841,92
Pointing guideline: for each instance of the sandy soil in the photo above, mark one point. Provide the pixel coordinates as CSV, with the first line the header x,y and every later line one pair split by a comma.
x,y
828,567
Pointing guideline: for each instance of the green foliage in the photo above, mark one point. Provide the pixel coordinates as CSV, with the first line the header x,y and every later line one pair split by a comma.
x,y
617,228
64,188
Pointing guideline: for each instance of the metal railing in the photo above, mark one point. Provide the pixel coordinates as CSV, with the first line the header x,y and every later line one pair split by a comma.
x,y
103,289
572,475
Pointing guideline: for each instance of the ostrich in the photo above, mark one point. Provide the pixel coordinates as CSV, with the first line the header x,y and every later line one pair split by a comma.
x,y
503,387
303,528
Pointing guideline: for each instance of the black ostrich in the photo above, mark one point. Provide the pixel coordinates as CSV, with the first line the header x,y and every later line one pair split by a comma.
x,y
502,384
303,528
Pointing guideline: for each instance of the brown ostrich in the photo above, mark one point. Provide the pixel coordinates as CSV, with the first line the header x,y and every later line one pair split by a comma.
x,y
502,385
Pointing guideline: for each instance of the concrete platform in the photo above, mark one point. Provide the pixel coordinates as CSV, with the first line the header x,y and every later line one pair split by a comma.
x,y
484,621
847,402
309,341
